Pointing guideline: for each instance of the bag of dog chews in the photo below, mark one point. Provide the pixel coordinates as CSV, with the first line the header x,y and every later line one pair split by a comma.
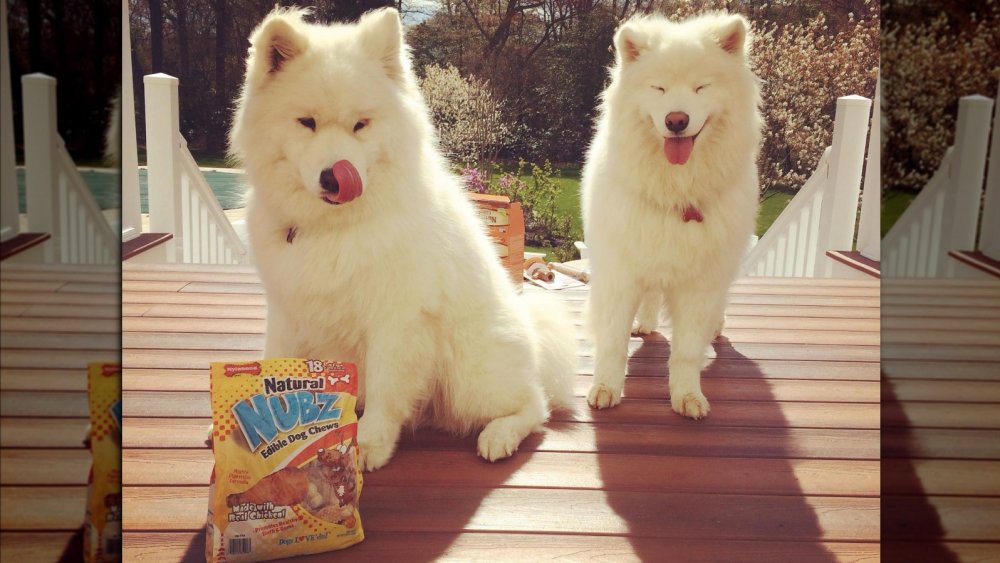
x,y
102,539
287,478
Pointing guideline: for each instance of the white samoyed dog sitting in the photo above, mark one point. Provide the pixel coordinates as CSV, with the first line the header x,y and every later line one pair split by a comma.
x,y
369,251
670,194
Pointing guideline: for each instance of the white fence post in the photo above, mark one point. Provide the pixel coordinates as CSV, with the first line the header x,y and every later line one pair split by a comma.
x,y
989,236
840,199
10,223
163,139
869,225
961,210
39,106
131,208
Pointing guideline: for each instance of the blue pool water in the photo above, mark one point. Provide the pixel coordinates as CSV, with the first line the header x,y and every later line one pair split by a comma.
x,y
104,184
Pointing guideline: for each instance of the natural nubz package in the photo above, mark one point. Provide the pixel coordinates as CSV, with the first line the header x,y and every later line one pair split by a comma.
x,y
102,537
286,479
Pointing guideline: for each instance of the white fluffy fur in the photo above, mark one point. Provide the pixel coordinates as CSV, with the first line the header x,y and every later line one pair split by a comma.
x,y
403,280
643,255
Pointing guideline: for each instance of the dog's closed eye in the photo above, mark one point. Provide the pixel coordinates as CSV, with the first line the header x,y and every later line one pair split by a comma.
x,y
660,89
308,122
361,124
702,87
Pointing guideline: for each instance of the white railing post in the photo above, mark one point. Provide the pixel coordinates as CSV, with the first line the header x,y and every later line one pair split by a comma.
x,y
131,210
869,225
840,197
39,106
10,223
989,235
961,210
163,140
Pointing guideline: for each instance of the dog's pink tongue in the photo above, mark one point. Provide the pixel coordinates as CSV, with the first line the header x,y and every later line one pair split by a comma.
x,y
348,180
678,149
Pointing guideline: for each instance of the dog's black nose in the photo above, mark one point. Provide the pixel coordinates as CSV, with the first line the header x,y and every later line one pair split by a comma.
x,y
677,121
328,181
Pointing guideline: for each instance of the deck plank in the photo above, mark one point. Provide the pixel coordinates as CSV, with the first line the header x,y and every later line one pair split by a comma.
x,y
153,404
655,345
570,470
694,440
662,515
193,379
41,508
257,298
44,467
201,320
196,403
198,359
789,313
494,547
942,477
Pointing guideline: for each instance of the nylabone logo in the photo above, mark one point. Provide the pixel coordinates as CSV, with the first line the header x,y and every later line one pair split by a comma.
x,y
252,368
107,370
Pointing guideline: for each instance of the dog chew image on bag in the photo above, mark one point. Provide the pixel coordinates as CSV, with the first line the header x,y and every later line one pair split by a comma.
x,y
102,537
286,479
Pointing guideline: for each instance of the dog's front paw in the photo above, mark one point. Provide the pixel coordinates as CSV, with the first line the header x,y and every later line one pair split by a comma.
x,y
374,455
602,396
497,441
692,404
640,328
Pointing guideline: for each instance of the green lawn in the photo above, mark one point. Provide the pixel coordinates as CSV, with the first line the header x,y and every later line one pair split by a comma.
x,y
773,203
894,204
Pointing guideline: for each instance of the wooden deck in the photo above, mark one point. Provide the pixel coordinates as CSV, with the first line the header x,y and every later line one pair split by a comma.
x,y
941,420
786,467
55,320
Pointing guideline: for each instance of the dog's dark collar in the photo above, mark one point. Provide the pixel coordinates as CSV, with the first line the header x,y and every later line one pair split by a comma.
x,y
292,231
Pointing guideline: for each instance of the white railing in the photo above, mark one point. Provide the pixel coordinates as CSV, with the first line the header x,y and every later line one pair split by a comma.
x,y
9,220
788,246
180,200
59,201
131,215
823,214
989,235
869,242
945,215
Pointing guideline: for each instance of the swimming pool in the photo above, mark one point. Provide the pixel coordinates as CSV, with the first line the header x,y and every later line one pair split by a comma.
x,y
104,184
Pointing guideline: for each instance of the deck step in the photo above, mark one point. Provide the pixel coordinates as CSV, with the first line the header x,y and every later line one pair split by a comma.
x,y
20,243
142,243
977,260
856,260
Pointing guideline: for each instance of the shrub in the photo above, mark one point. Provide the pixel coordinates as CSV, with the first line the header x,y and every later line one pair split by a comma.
x,y
803,71
927,66
470,121
543,225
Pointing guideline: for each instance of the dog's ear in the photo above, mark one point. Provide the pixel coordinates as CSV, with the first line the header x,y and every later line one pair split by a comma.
x,y
732,34
629,44
382,36
276,41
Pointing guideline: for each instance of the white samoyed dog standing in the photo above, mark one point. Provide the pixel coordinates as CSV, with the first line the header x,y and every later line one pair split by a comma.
x,y
369,251
670,194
